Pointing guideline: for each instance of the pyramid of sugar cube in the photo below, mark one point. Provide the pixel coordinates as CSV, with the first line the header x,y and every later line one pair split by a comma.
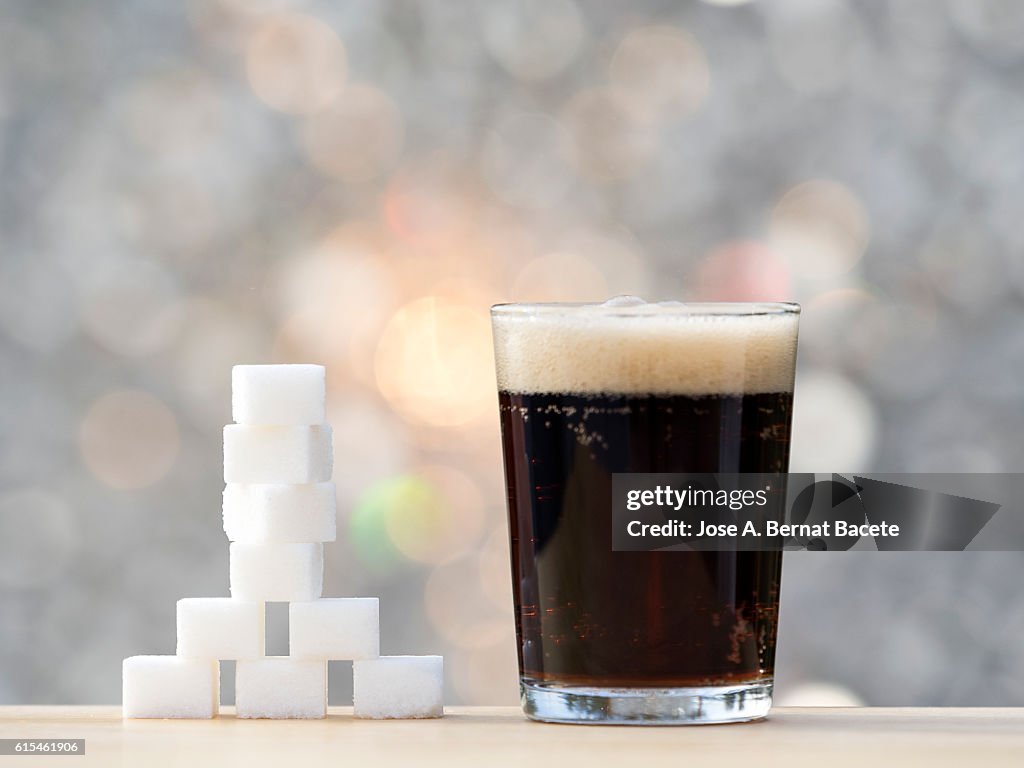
x,y
279,508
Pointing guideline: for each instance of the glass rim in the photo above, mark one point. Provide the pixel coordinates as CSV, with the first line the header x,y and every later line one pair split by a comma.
x,y
649,309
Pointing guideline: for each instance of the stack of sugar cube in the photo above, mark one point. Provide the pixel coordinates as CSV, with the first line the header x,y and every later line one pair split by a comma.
x,y
279,509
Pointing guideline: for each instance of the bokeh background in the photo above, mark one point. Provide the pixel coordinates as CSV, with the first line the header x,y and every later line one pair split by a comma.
x,y
186,186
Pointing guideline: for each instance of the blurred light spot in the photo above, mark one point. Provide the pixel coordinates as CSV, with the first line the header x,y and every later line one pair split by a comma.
x,y
660,73
744,270
216,22
335,300
821,229
459,610
357,138
532,39
135,310
368,523
487,676
129,439
464,287
434,362
835,425
819,695
440,517
434,204
461,266
295,63
370,444
727,3
40,537
560,277
226,24
818,45
612,141
508,244
496,569
425,197
410,212
478,454
37,301
996,27
526,160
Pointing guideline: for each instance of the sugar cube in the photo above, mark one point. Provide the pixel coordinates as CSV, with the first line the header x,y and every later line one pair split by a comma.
x,y
276,572
278,394
399,687
340,628
281,687
220,628
277,454
170,686
274,512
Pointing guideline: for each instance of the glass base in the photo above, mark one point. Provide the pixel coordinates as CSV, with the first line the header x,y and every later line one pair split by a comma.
x,y
701,705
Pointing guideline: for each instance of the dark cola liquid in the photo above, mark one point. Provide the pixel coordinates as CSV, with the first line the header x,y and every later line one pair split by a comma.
x,y
586,615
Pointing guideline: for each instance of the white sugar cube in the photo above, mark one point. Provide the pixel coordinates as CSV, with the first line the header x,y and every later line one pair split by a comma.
x,y
277,454
278,394
261,512
170,686
276,572
339,628
281,687
220,628
399,687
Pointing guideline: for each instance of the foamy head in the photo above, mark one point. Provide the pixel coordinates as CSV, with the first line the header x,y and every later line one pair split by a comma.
x,y
631,347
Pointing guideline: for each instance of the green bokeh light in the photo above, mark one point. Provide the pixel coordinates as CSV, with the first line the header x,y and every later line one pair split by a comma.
x,y
409,504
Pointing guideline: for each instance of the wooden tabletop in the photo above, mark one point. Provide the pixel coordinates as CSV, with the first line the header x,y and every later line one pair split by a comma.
x,y
500,736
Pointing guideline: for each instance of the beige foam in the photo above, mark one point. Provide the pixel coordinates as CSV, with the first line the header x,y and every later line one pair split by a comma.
x,y
649,349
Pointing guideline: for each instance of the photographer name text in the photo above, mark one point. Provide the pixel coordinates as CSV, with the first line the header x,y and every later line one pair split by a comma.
x,y
706,530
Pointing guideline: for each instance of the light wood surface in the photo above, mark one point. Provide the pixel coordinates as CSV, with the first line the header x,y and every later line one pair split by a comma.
x,y
500,736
